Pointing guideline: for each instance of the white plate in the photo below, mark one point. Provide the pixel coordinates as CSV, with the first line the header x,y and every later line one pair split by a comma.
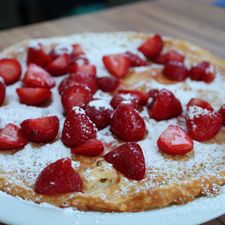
x,y
15,211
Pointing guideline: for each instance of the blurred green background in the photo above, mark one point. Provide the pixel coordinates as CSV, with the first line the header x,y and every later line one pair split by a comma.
x,y
22,12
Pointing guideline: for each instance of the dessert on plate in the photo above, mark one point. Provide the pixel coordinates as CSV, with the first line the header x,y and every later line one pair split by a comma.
x,y
111,121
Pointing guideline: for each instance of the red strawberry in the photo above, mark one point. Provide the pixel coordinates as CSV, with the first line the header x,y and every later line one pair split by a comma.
x,y
87,69
202,72
59,66
175,71
76,95
10,70
164,105
91,147
135,60
222,113
2,91
174,140
58,178
127,124
143,97
38,77
203,124
169,57
129,160
78,128
108,84
41,130
34,96
77,50
99,112
152,47
38,56
86,80
11,137
118,65
200,103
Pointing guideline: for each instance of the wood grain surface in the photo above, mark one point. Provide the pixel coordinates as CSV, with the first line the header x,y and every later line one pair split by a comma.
x,y
195,20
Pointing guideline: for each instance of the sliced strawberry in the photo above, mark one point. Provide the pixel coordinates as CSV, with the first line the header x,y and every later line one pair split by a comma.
x,y
12,137
175,71
203,124
99,112
174,140
59,66
203,71
42,129
78,128
91,147
163,105
86,80
38,77
58,178
38,56
86,68
2,91
127,124
34,96
169,57
77,50
222,113
108,84
135,60
76,95
10,70
129,160
152,47
118,65
200,103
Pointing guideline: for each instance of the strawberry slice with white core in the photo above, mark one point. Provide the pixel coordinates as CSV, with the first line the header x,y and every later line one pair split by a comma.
x,y
38,77
42,130
174,140
12,137
34,96
118,65
10,70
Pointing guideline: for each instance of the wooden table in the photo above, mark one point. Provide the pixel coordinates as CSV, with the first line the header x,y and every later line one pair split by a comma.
x,y
194,20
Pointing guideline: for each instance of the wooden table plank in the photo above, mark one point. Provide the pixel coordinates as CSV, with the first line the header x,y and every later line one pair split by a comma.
x,y
194,20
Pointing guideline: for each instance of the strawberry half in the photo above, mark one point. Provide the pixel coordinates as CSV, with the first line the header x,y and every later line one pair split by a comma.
x,y
135,60
163,105
83,79
58,178
91,147
38,77
222,113
42,130
203,71
108,84
59,66
175,71
152,47
99,112
118,65
169,57
78,128
38,56
174,140
34,96
2,91
12,137
76,95
10,70
203,124
129,160
200,103
127,124
87,69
